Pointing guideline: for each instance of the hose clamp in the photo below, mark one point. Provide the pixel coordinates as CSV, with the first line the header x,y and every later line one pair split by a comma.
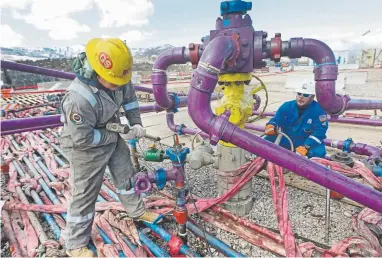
x,y
176,101
346,145
179,129
160,176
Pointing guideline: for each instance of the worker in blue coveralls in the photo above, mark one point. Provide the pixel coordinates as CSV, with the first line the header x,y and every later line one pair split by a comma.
x,y
303,120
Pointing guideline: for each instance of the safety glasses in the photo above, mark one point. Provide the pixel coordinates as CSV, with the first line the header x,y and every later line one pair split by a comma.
x,y
304,94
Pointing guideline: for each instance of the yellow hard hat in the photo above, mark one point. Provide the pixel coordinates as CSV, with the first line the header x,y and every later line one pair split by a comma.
x,y
111,59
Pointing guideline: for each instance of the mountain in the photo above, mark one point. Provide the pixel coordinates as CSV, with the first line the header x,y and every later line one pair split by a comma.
x,y
34,54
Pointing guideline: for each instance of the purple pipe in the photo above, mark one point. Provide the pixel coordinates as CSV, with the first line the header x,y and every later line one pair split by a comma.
x,y
50,72
361,104
169,57
203,84
357,148
181,128
325,74
341,120
12,126
28,129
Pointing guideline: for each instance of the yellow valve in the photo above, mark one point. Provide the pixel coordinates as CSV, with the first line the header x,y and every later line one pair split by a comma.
x,y
153,146
236,99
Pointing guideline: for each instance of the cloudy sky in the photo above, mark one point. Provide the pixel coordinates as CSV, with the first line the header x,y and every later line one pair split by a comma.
x,y
145,23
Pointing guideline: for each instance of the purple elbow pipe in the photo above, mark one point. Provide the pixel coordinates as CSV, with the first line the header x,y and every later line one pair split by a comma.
x,y
325,72
172,56
219,128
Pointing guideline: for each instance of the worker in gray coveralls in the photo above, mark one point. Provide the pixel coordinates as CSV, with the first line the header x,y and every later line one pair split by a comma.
x,y
102,85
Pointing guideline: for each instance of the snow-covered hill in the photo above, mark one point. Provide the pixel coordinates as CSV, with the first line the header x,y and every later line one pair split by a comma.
x,y
18,53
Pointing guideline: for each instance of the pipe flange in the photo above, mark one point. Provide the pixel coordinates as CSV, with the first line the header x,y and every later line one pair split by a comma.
x,y
258,53
218,127
325,71
276,44
346,145
176,102
231,62
194,54
160,176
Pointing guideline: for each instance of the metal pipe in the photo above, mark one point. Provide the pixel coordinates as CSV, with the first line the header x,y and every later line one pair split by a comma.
x,y
327,217
53,145
325,74
216,243
107,240
341,120
43,184
169,57
27,129
50,72
203,84
49,218
155,249
14,246
167,237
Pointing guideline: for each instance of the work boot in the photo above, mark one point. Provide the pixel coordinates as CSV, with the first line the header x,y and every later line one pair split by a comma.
x,y
149,217
80,252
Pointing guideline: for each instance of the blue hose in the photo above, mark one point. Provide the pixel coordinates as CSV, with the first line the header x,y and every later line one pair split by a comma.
x,y
49,218
156,250
129,244
45,169
53,145
216,243
110,192
108,240
167,236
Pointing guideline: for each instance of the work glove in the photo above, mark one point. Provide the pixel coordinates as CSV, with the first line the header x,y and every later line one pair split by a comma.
x,y
270,130
139,131
301,150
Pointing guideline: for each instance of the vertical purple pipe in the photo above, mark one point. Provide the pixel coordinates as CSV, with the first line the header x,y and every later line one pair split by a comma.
x,y
203,84
172,56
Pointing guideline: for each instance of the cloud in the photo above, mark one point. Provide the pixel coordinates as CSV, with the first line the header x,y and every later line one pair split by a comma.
x,y
19,4
10,38
134,37
53,16
118,13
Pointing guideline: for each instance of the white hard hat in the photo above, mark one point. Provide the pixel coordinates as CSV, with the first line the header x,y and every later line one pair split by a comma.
x,y
307,87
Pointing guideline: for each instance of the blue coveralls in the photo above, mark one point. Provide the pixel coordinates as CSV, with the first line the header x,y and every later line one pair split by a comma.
x,y
307,130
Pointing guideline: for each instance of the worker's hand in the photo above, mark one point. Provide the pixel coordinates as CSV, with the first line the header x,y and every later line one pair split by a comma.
x,y
301,150
270,130
140,131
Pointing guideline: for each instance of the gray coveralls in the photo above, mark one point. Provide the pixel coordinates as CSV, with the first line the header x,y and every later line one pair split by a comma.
x,y
90,148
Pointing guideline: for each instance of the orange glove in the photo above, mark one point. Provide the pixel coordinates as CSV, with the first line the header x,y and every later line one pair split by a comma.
x,y
270,130
302,150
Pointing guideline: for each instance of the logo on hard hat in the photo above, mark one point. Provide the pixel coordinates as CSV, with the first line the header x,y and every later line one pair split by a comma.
x,y
305,86
105,60
125,72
